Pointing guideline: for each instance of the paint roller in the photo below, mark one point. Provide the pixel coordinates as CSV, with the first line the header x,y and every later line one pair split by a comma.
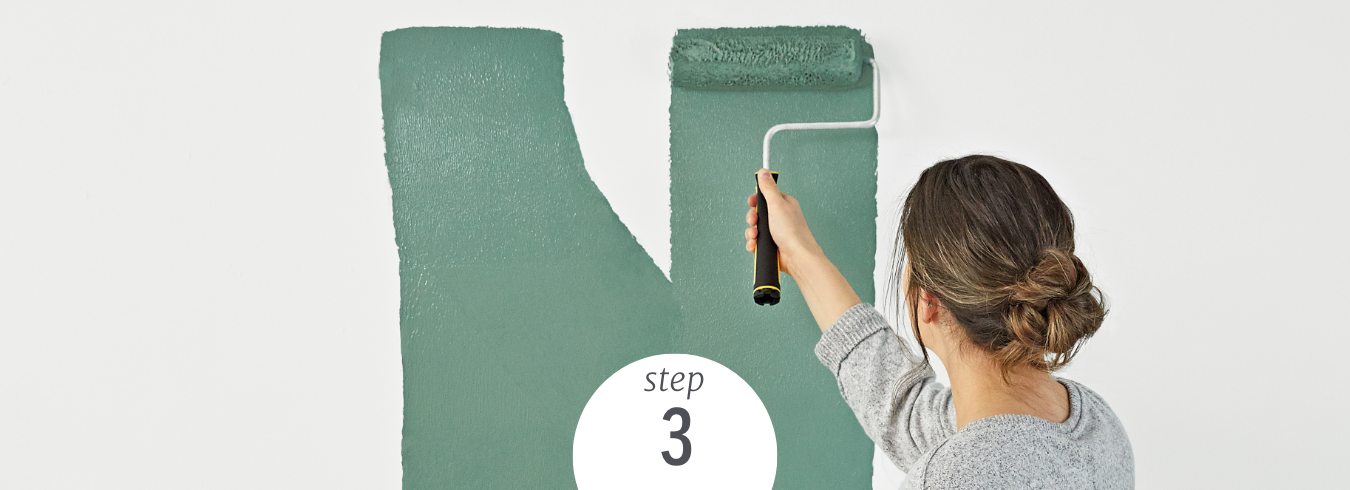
x,y
774,58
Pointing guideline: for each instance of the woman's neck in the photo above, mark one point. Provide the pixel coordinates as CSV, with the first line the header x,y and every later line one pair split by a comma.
x,y
979,390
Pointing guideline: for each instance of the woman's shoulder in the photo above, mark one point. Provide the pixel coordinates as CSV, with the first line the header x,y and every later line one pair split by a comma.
x,y
1018,451
1091,418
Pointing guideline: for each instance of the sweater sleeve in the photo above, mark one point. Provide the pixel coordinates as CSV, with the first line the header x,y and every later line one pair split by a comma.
x,y
895,396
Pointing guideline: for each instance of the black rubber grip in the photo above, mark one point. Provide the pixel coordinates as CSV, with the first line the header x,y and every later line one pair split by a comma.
x,y
767,286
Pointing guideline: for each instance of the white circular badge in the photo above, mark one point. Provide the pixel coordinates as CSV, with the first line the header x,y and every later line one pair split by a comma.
x,y
674,421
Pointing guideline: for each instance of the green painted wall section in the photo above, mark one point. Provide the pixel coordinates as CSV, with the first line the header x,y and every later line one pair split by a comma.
x,y
715,146
522,291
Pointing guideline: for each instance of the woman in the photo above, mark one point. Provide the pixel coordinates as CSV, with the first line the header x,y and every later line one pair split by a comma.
x,y
993,288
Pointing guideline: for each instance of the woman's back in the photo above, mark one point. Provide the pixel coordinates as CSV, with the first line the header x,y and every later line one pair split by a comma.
x,y
911,416
1089,450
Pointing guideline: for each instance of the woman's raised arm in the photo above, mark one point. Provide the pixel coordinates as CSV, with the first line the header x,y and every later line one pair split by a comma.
x,y
826,291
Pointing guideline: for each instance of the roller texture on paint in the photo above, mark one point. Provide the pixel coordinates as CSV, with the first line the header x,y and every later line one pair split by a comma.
x,y
521,289
768,58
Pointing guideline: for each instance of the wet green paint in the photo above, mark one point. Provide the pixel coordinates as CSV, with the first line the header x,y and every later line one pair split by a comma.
x,y
522,291
768,58
715,146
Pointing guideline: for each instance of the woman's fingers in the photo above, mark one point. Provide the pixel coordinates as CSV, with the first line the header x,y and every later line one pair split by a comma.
x,y
767,186
751,219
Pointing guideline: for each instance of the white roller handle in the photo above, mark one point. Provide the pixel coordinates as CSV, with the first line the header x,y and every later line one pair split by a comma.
x,y
876,114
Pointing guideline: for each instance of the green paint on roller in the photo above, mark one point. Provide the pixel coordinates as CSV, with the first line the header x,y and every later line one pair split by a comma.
x,y
521,289
768,58
715,145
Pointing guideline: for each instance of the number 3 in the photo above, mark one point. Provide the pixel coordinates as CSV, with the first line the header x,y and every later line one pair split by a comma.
x,y
678,434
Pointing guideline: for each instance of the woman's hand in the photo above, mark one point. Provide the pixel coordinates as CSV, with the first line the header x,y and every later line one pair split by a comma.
x,y
790,233
826,291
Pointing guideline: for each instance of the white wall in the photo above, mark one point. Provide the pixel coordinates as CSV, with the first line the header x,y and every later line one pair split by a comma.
x,y
198,278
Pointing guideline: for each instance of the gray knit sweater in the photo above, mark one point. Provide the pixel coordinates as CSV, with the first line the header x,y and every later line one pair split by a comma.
x,y
911,416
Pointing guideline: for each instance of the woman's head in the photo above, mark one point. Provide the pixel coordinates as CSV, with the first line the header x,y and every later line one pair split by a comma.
x,y
993,244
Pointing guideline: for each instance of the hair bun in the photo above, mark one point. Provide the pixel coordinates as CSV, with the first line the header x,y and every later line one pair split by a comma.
x,y
1057,275
991,240
1051,308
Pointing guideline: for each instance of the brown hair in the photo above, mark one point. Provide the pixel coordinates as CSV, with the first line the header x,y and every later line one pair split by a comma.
x,y
994,243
